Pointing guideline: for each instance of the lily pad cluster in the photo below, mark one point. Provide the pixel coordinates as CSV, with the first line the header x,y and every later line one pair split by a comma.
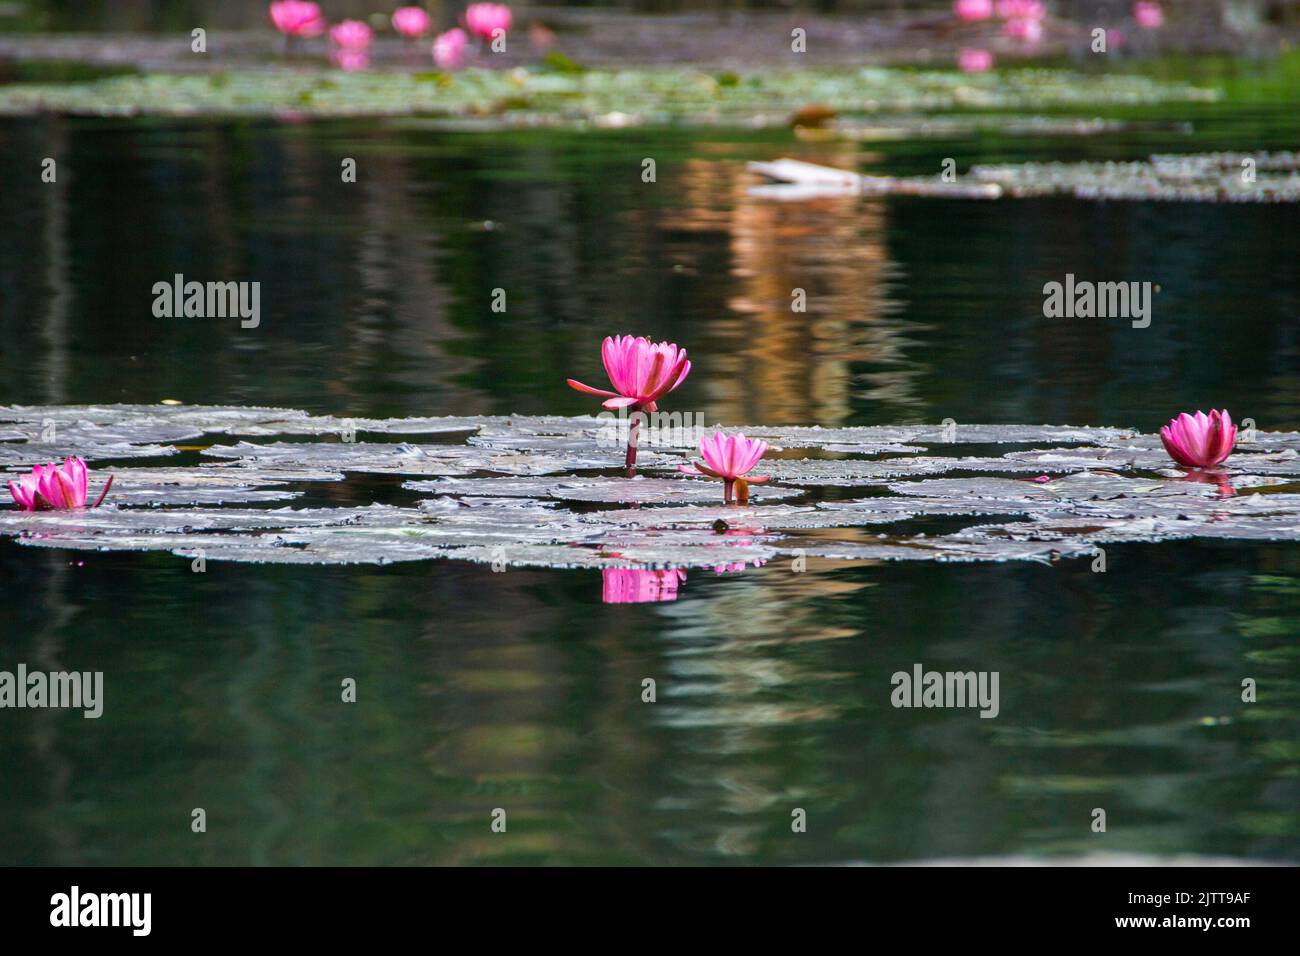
x,y
547,491
1203,177
1193,177
539,96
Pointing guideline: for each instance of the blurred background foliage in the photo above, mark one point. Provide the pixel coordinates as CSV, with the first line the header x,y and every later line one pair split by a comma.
x,y
163,15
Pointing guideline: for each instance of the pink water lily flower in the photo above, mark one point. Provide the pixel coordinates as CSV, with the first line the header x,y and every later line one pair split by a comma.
x,y
1021,9
297,18
449,48
1200,440
54,486
351,34
730,457
969,11
1022,28
411,22
1149,16
484,19
642,372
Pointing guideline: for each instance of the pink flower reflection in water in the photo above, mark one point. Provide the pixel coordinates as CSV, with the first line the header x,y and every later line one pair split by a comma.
x,y
350,61
639,585
974,61
1212,477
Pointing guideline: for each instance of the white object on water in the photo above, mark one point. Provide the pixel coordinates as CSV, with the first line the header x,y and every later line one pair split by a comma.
x,y
798,180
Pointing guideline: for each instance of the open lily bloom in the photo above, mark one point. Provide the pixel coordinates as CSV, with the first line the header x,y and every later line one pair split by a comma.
x,y
55,487
1148,14
351,34
1200,440
411,22
1022,28
297,18
729,457
1021,9
484,19
642,372
449,48
972,10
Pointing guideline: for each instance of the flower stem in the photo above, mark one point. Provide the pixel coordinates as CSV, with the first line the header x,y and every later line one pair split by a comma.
x,y
727,484
632,435
104,493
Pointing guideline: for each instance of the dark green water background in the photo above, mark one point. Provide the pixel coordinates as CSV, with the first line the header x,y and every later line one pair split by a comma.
x,y
522,690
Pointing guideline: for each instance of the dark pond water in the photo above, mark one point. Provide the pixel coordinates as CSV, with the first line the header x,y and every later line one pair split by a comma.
x,y
522,690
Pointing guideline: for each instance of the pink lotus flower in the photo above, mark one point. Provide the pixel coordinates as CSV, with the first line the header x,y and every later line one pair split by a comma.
x,y
1200,440
729,457
297,18
351,35
975,61
969,11
411,22
1031,31
1021,9
484,19
1149,16
639,586
642,372
54,486
449,48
